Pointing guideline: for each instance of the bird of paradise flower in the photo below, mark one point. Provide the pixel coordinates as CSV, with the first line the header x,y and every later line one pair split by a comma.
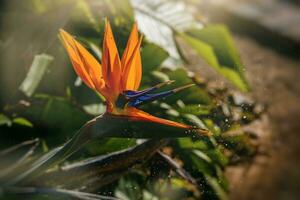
x,y
118,81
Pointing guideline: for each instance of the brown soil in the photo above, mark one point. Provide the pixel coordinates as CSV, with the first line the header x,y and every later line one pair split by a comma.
x,y
275,171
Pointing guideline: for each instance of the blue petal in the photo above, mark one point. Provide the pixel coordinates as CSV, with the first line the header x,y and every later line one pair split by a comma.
x,y
149,97
137,98
134,94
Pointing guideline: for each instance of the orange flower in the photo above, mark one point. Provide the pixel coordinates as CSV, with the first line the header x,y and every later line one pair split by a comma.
x,y
117,80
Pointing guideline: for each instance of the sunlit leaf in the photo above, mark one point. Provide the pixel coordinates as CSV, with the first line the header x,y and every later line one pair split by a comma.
x,y
212,126
202,155
158,19
4,120
194,109
94,109
203,49
35,74
22,121
160,76
218,37
215,45
194,120
200,163
187,143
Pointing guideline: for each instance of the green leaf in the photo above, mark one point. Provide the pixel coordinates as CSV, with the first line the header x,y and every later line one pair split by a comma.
x,y
195,120
4,120
215,45
128,189
218,37
152,57
22,121
212,126
202,155
220,192
35,74
160,76
187,143
235,78
214,154
217,156
109,145
194,109
158,20
60,110
192,95
200,162
203,49
95,109
60,116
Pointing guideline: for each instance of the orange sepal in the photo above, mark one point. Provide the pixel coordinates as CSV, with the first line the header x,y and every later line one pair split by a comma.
x,y
111,63
131,62
85,65
136,114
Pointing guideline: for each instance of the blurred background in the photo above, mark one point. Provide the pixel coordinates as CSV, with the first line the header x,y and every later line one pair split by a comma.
x,y
41,97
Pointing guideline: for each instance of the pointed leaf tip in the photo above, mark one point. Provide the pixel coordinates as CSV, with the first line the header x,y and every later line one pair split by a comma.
x,y
203,132
183,87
